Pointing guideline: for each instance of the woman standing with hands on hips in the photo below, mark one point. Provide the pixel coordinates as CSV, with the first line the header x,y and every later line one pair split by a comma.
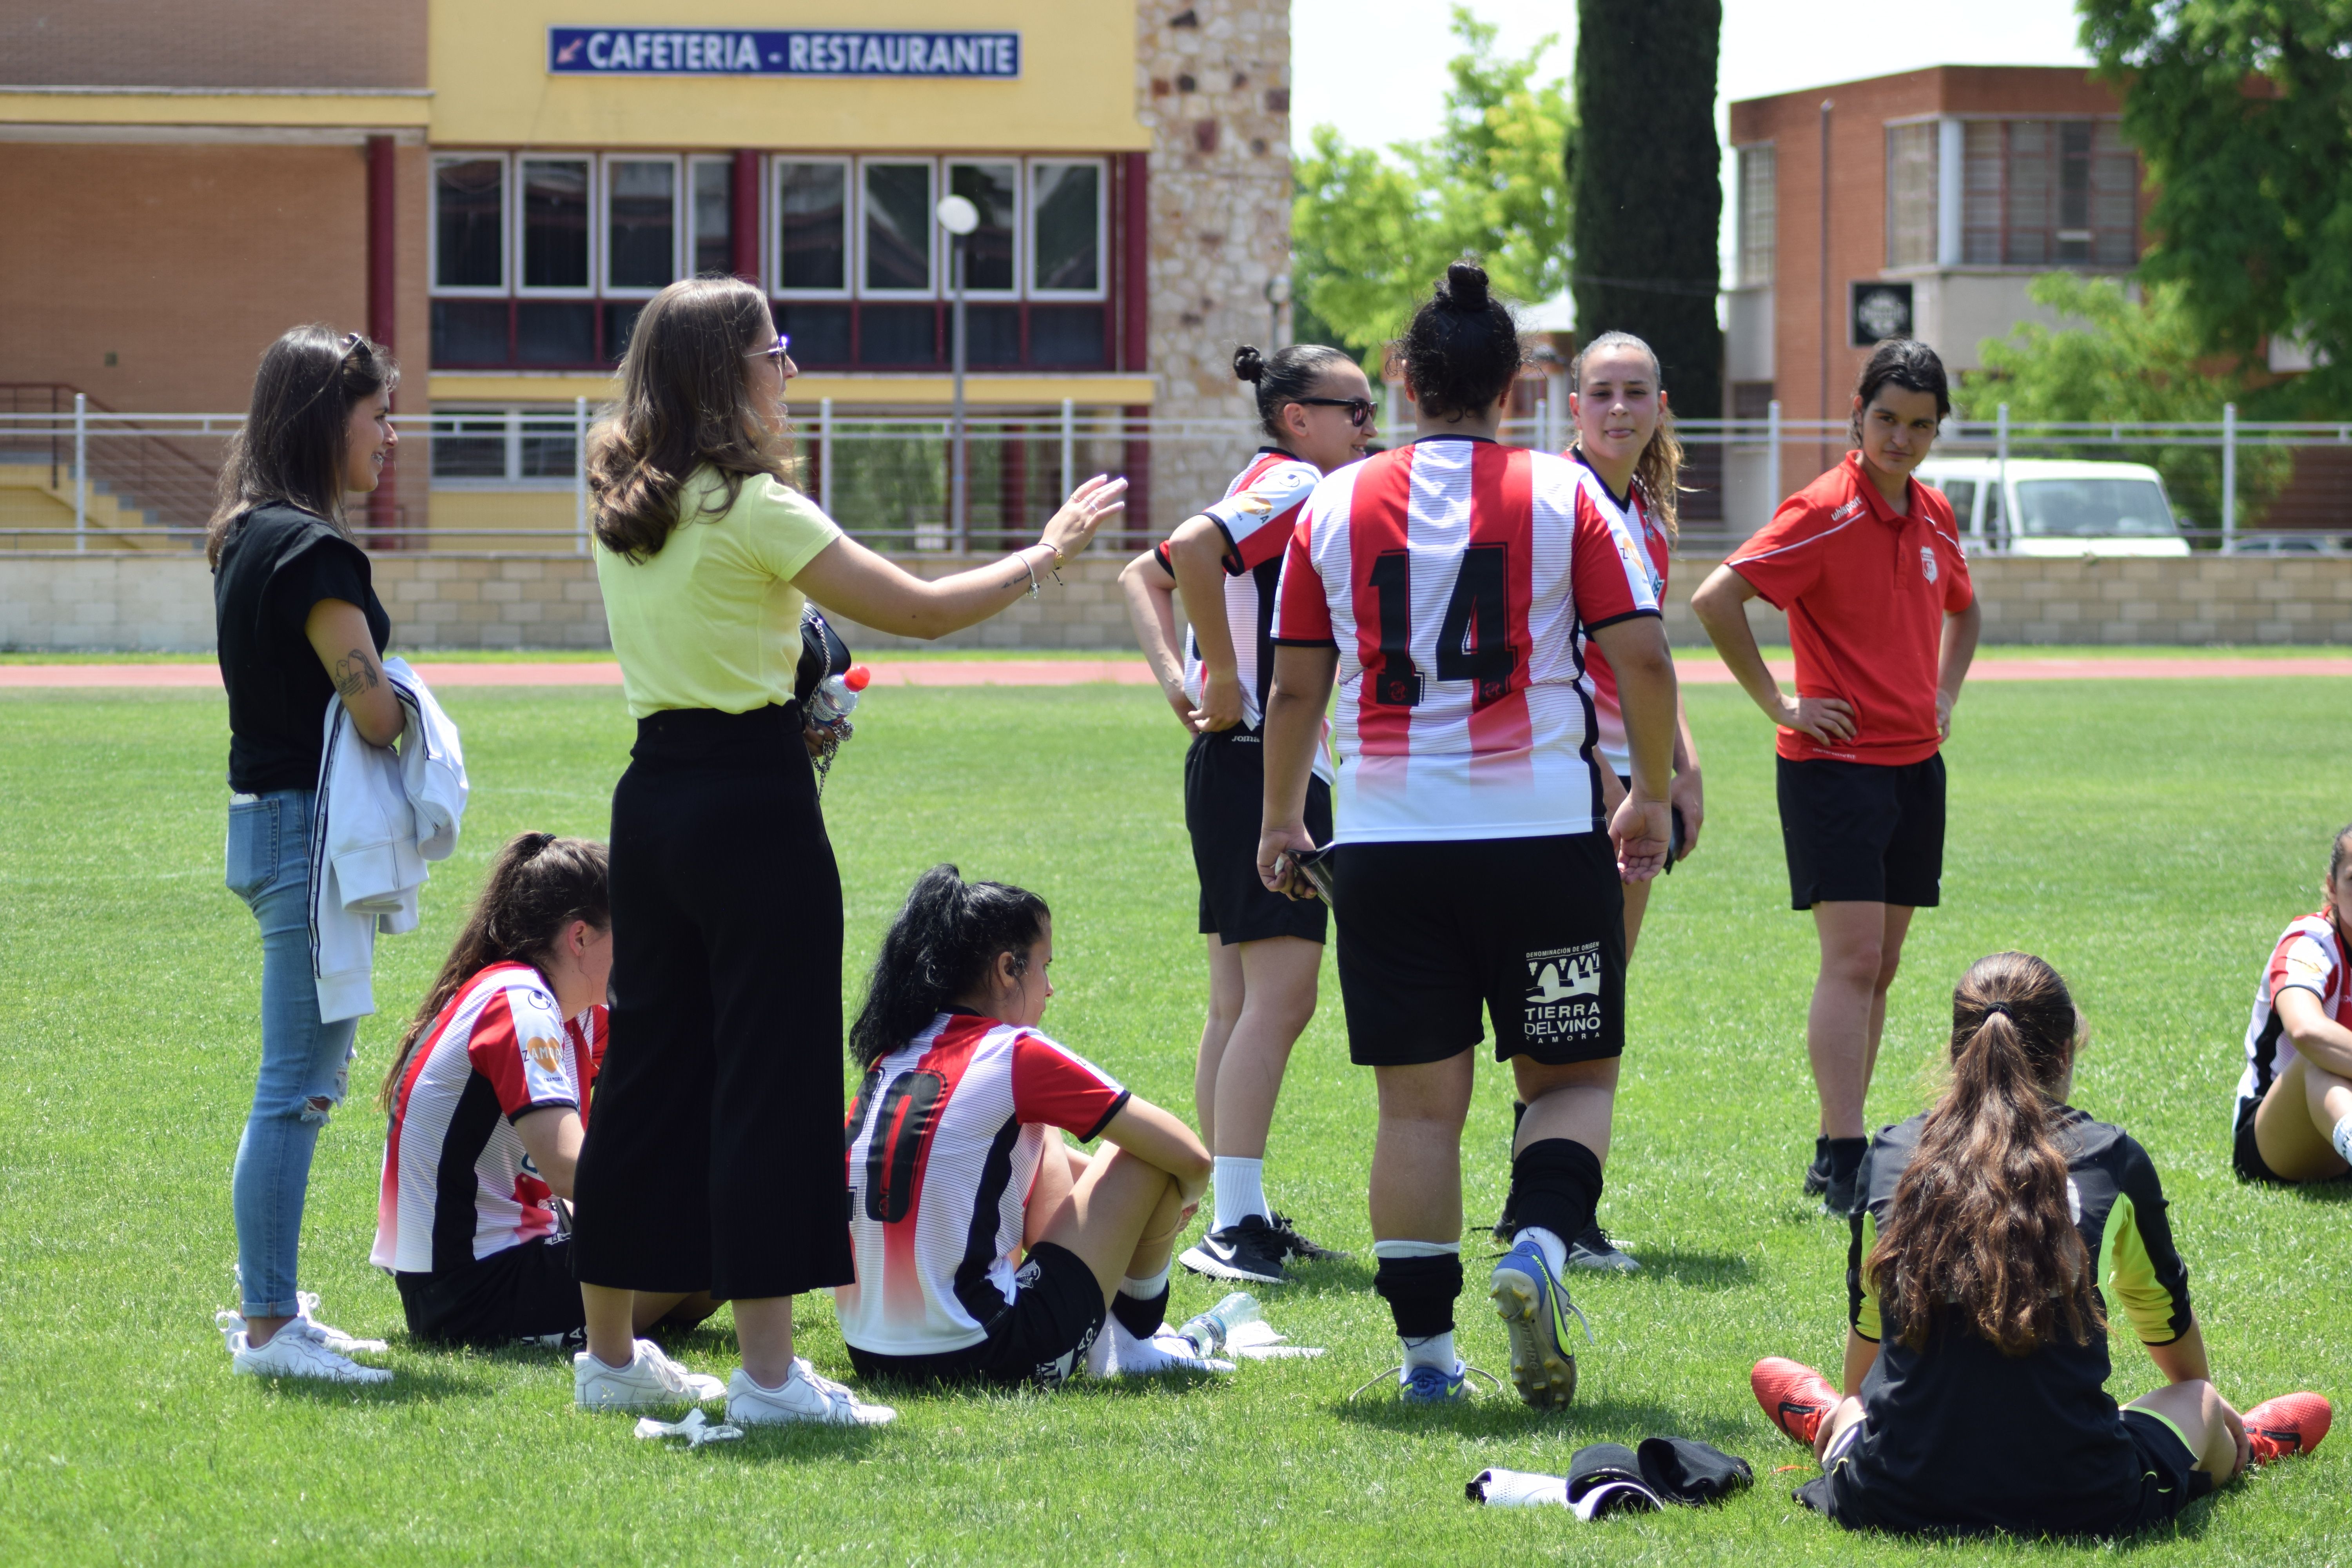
x,y
713,1160
1882,619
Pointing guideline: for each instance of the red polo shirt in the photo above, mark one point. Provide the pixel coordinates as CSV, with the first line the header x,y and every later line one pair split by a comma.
x,y
1867,591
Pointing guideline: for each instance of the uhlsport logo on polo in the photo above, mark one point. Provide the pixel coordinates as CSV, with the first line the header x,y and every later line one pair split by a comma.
x,y
1563,998
1928,561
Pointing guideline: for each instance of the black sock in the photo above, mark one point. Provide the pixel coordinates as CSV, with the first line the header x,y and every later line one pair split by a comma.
x,y
1137,1316
1420,1292
1845,1157
1822,1154
1556,1184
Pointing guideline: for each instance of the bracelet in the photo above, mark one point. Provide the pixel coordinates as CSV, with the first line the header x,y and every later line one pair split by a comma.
x,y
1055,569
1033,574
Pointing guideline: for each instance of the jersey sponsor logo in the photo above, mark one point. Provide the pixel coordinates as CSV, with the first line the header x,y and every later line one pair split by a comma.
x,y
1847,510
1253,501
1563,997
1927,561
548,1054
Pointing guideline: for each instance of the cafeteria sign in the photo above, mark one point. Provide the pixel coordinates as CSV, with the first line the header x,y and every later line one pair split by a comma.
x,y
672,51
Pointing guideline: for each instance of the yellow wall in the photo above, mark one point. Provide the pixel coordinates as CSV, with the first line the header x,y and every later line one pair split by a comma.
x,y
980,391
1076,91
456,513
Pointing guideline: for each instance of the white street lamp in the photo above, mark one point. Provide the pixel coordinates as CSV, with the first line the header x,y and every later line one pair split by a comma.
x,y
1277,295
959,218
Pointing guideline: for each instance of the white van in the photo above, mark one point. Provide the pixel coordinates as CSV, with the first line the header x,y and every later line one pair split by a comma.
x,y
2050,507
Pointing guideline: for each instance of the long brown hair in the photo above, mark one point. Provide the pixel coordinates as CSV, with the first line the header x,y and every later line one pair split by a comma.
x,y
1658,470
537,887
685,402
291,449
1981,1222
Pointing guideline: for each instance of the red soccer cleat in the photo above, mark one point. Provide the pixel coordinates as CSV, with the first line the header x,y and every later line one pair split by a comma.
x,y
2290,1423
1797,1399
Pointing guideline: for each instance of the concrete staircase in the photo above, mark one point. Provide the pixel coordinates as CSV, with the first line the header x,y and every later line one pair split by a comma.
x,y
35,496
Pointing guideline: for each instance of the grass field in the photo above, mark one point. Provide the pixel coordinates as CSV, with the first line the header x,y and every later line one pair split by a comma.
x,y
2149,838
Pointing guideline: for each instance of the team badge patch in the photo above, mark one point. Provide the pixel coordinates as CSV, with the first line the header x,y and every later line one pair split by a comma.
x,y
1563,998
1927,561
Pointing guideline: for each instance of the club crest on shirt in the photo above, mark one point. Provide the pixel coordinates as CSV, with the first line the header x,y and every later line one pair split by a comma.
x,y
1927,561
547,1054
1563,998
1256,503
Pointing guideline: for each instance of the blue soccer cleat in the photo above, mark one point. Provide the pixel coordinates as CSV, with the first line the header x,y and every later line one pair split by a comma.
x,y
1535,1308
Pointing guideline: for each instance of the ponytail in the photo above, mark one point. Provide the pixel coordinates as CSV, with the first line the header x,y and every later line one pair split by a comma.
x,y
1285,378
537,887
942,946
1981,1225
1658,470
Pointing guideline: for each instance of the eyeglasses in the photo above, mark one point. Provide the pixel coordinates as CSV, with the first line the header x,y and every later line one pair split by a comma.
x,y
1360,409
780,351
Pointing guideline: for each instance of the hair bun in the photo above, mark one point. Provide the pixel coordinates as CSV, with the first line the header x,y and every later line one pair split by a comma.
x,y
1466,286
1249,365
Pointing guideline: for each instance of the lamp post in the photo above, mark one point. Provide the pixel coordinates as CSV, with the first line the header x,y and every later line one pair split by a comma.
x,y
1277,295
959,218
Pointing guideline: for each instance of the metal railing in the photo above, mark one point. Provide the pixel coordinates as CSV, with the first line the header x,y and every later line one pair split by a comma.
x,y
513,479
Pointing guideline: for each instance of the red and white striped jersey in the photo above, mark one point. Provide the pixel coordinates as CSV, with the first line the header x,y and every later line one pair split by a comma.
x,y
1657,550
2310,957
1457,578
457,1183
943,1146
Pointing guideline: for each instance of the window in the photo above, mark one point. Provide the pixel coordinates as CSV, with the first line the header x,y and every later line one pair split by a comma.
x,y
989,265
811,229
641,228
1911,195
1067,239
895,228
554,224
535,447
1757,205
469,224
2049,192
714,215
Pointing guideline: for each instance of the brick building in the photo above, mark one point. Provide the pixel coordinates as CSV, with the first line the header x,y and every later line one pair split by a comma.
x,y
1922,204
495,190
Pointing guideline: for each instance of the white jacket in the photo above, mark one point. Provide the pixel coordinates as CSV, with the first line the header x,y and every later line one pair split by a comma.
x,y
380,816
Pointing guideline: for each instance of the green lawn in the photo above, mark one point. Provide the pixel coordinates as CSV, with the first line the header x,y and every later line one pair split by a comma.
x,y
2149,838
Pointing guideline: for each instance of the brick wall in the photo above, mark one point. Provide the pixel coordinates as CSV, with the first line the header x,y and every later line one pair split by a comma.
x,y
448,600
214,43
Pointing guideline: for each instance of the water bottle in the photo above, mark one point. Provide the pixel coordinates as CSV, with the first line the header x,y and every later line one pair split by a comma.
x,y
835,696
1207,1332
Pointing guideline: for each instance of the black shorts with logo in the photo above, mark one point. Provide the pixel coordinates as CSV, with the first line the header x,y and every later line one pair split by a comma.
x,y
1224,807
1863,832
1531,930
1040,1338
523,1292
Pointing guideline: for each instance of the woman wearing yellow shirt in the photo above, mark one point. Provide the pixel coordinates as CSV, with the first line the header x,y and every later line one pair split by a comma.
x,y
714,1153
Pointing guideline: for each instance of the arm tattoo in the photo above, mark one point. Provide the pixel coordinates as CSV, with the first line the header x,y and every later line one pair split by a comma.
x,y
356,674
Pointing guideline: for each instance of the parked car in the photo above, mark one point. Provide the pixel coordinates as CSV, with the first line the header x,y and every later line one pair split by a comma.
x,y
2290,545
2044,506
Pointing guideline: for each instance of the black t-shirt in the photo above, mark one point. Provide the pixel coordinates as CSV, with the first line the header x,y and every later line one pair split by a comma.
x,y
1960,1436
277,564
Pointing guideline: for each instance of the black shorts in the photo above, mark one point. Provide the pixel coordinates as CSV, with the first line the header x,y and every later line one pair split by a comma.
x,y
2170,1479
525,1292
1533,929
1224,807
1039,1340
1862,833
2245,1154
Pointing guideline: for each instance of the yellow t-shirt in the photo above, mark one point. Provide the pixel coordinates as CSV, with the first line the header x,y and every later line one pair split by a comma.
x,y
713,620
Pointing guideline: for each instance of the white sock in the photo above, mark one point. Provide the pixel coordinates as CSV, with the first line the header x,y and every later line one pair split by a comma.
x,y
1418,1248
1240,1187
1436,1350
1554,1250
1145,1289
2342,1138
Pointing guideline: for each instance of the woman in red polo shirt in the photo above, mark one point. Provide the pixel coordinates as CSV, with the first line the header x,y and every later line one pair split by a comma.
x,y
1867,563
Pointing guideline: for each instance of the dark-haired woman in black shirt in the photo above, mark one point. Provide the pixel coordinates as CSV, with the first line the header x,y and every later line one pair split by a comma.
x,y
299,624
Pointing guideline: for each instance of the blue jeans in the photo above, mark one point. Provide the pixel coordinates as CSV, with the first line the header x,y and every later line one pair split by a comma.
x,y
305,1063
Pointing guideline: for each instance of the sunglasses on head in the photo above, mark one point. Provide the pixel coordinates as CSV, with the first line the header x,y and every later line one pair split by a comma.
x,y
1360,409
780,351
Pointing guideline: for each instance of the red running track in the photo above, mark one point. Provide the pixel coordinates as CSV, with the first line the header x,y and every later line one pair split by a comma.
x,y
1132,672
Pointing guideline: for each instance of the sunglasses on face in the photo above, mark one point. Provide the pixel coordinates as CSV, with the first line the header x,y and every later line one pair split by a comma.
x,y
1360,409
779,352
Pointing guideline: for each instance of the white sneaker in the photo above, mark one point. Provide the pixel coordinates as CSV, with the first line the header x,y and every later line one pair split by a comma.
x,y
298,1350
1164,1352
804,1397
232,1324
650,1380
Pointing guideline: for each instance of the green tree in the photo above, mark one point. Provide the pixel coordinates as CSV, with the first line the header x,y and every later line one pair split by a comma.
x,y
2135,361
2242,110
1648,192
1371,231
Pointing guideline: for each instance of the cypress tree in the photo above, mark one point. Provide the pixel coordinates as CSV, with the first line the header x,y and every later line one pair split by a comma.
x,y
1648,196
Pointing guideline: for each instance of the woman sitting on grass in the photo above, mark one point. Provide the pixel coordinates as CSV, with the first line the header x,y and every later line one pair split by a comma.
x,y
1984,1228
2293,1121
956,1168
488,1094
